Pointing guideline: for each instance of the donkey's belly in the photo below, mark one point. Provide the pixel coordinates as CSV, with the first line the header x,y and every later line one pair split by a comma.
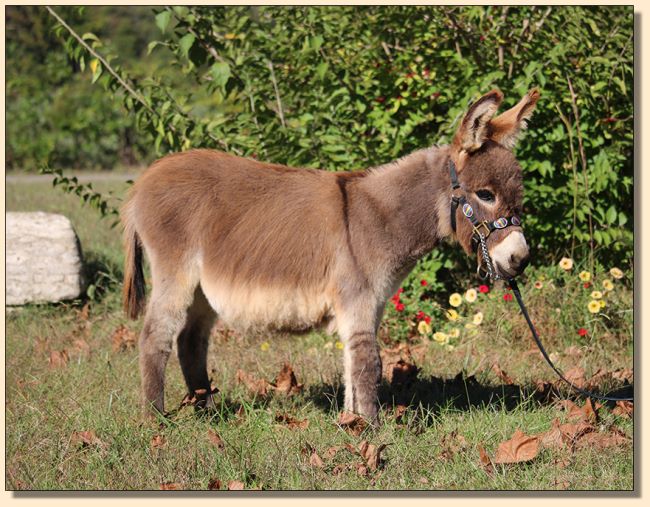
x,y
246,307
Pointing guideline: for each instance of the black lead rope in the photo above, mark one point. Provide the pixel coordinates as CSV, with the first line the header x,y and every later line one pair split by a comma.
x,y
524,311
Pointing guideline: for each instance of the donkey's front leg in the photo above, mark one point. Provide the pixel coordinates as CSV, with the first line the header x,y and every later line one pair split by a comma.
x,y
362,372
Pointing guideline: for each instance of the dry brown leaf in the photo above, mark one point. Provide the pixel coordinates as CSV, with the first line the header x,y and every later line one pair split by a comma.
x,y
58,358
170,486
503,376
331,452
399,412
123,339
573,351
601,440
291,422
587,413
576,376
371,453
518,449
216,440
257,386
286,382
158,441
553,438
86,439
235,485
81,347
362,470
352,423
572,432
486,462
214,484
623,409
315,460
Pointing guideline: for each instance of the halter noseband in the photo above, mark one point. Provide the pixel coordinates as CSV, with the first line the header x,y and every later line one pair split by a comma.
x,y
482,229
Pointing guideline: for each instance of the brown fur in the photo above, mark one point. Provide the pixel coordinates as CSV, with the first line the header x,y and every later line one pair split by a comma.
x,y
267,246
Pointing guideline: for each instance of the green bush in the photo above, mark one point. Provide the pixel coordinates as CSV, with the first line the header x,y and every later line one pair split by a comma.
x,y
350,87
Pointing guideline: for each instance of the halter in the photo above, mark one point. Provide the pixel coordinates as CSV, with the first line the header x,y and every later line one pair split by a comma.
x,y
482,229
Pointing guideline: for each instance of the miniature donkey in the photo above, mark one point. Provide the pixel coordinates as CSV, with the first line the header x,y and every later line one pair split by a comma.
x,y
267,246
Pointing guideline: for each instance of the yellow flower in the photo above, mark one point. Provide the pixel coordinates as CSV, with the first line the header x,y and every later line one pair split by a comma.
x,y
264,346
449,348
470,295
470,325
596,295
452,315
440,337
229,36
328,345
455,333
339,345
602,303
608,285
93,65
585,276
593,306
616,273
539,284
455,299
566,263
478,318
424,327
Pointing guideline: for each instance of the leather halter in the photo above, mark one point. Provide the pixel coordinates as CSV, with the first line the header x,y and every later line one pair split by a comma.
x,y
481,228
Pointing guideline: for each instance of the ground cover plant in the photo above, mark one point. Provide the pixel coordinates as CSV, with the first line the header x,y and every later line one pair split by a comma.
x,y
467,402
458,388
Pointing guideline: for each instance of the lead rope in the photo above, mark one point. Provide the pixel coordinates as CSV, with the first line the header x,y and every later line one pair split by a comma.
x,y
524,311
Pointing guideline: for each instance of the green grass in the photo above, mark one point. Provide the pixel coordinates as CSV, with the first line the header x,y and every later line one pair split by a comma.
x,y
99,391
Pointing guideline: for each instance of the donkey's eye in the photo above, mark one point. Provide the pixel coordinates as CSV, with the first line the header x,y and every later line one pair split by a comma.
x,y
485,195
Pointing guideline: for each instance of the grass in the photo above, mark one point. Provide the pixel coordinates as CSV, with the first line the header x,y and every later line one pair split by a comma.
x,y
98,389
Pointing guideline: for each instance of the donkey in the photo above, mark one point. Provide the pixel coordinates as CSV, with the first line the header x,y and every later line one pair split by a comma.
x,y
265,246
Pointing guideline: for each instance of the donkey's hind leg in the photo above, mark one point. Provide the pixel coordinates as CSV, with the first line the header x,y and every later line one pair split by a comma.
x,y
193,349
172,294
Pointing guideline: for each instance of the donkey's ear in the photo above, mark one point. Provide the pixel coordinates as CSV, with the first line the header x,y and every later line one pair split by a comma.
x,y
506,127
473,130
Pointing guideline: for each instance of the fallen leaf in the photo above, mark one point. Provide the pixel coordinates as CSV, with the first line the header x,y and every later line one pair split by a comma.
x,y
553,438
623,409
170,486
518,449
214,484
576,376
216,440
235,485
572,432
123,339
624,374
258,386
399,412
371,453
331,452
602,440
486,462
286,381
573,351
291,421
503,376
158,441
352,423
362,470
81,347
587,413
58,358
86,439
315,460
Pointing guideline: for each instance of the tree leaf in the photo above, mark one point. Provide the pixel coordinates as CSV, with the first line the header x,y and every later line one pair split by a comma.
x,y
518,449
220,73
162,20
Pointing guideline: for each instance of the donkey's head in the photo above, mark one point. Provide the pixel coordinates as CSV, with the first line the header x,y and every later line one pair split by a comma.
x,y
490,179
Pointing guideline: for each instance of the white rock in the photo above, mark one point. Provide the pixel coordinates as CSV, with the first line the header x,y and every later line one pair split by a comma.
x,y
43,259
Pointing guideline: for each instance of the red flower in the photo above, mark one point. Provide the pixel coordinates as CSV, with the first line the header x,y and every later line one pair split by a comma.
x,y
586,285
507,297
419,315
423,283
582,331
427,319
400,290
483,289
399,307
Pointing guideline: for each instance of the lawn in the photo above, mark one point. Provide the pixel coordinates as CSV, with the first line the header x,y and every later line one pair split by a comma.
x,y
72,393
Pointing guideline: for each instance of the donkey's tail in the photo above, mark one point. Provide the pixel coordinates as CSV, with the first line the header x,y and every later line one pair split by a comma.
x,y
133,292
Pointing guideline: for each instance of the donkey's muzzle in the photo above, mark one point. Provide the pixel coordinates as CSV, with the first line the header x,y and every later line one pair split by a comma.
x,y
511,255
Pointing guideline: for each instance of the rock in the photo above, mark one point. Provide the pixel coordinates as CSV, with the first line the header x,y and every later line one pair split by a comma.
x,y
43,259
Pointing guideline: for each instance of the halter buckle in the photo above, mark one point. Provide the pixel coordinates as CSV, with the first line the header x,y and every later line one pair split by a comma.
x,y
477,229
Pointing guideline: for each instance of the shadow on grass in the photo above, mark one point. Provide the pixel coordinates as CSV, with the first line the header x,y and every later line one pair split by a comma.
x,y
434,394
102,274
